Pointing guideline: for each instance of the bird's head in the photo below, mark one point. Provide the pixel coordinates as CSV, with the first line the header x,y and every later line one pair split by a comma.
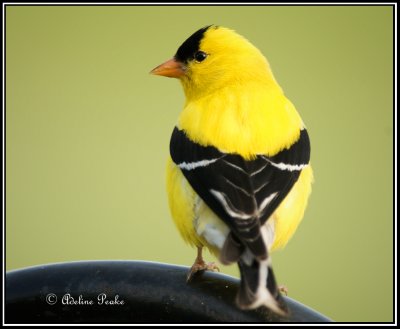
x,y
215,57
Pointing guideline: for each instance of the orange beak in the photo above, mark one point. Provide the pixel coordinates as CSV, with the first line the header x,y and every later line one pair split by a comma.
x,y
171,69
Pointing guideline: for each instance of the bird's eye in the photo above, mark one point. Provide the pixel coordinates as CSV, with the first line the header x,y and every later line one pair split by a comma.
x,y
200,56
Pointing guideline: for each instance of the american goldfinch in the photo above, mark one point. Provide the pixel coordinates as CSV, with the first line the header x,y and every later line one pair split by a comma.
x,y
238,176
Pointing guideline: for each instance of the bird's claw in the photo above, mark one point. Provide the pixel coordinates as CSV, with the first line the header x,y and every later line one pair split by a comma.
x,y
283,289
200,267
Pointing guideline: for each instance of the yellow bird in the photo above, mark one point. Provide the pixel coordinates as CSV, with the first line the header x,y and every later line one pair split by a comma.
x,y
238,176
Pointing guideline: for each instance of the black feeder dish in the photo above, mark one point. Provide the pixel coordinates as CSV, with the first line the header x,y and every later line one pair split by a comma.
x,y
131,292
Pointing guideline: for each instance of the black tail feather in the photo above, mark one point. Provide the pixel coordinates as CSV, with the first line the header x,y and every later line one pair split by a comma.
x,y
252,294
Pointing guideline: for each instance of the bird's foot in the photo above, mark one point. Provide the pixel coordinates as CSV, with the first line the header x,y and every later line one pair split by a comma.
x,y
283,289
200,266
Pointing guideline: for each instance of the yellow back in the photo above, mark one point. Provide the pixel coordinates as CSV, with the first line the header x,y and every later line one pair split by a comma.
x,y
233,101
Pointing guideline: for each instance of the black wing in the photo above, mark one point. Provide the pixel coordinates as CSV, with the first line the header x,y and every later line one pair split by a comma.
x,y
243,193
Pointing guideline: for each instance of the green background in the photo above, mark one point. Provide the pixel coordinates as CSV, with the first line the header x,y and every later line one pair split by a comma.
x,y
88,132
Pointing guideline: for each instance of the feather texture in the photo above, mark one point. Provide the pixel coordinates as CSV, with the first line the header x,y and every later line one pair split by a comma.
x,y
243,193
238,177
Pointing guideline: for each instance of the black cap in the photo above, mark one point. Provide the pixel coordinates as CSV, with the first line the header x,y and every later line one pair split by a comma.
x,y
187,50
